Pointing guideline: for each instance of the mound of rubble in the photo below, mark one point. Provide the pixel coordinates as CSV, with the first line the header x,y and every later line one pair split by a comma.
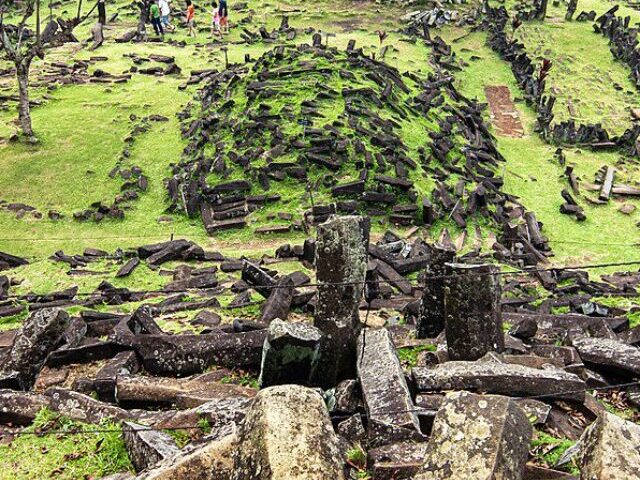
x,y
308,131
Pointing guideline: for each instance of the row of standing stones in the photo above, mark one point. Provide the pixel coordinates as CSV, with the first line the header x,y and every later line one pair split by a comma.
x,y
465,412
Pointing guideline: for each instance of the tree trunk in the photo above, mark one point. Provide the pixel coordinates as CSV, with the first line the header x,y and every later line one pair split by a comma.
x,y
24,114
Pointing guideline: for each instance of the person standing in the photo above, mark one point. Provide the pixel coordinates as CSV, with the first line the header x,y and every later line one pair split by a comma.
x,y
224,16
165,15
154,12
215,20
191,18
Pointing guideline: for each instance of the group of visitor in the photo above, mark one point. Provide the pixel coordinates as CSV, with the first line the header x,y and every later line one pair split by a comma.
x,y
160,16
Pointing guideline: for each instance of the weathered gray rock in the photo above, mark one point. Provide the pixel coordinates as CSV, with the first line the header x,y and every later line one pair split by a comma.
x,y
610,449
609,355
186,354
290,354
397,461
288,435
147,447
505,379
352,429
123,363
473,322
348,397
84,408
390,410
20,408
148,390
212,460
279,302
38,337
431,320
480,437
341,265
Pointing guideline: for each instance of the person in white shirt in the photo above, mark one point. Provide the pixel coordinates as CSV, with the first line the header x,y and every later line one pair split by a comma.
x,y
165,12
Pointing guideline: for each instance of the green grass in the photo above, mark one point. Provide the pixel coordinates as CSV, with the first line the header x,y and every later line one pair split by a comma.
x,y
532,174
64,456
549,449
408,356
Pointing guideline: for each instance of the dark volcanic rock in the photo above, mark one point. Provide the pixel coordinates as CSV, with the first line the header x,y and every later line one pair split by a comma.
x,y
291,354
473,320
147,447
609,355
390,410
341,263
41,332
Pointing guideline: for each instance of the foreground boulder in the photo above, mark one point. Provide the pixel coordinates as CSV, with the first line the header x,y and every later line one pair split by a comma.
x,y
288,435
38,337
609,449
390,410
500,378
479,437
212,460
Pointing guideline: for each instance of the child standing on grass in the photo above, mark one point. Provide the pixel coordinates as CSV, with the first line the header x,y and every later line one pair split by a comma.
x,y
155,19
191,18
215,20
224,14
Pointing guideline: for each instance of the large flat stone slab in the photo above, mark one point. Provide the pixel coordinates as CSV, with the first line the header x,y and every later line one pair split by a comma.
x,y
506,379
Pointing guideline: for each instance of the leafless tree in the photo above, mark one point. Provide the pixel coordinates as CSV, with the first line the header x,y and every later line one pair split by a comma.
x,y
20,45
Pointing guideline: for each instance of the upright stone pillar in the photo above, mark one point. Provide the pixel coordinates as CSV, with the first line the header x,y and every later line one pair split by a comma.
x,y
341,265
472,311
431,317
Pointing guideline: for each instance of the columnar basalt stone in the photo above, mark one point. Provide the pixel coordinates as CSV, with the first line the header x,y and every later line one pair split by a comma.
x,y
390,410
609,449
431,320
472,311
154,391
287,435
147,447
290,354
20,408
500,378
609,355
341,265
480,437
279,302
40,334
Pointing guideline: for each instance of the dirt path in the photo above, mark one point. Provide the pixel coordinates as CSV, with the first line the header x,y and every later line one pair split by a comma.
x,y
504,115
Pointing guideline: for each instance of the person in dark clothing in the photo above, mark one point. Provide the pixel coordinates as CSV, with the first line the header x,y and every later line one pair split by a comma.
x,y
156,18
223,11
102,12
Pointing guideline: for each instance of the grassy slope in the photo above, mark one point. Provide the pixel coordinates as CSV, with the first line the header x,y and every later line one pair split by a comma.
x,y
533,175
82,129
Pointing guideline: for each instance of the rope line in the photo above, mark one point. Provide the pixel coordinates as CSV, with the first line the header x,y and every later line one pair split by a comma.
x,y
350,283
77,431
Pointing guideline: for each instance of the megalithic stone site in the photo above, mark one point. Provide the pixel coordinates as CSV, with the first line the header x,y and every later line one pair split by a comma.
x,y
349,240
